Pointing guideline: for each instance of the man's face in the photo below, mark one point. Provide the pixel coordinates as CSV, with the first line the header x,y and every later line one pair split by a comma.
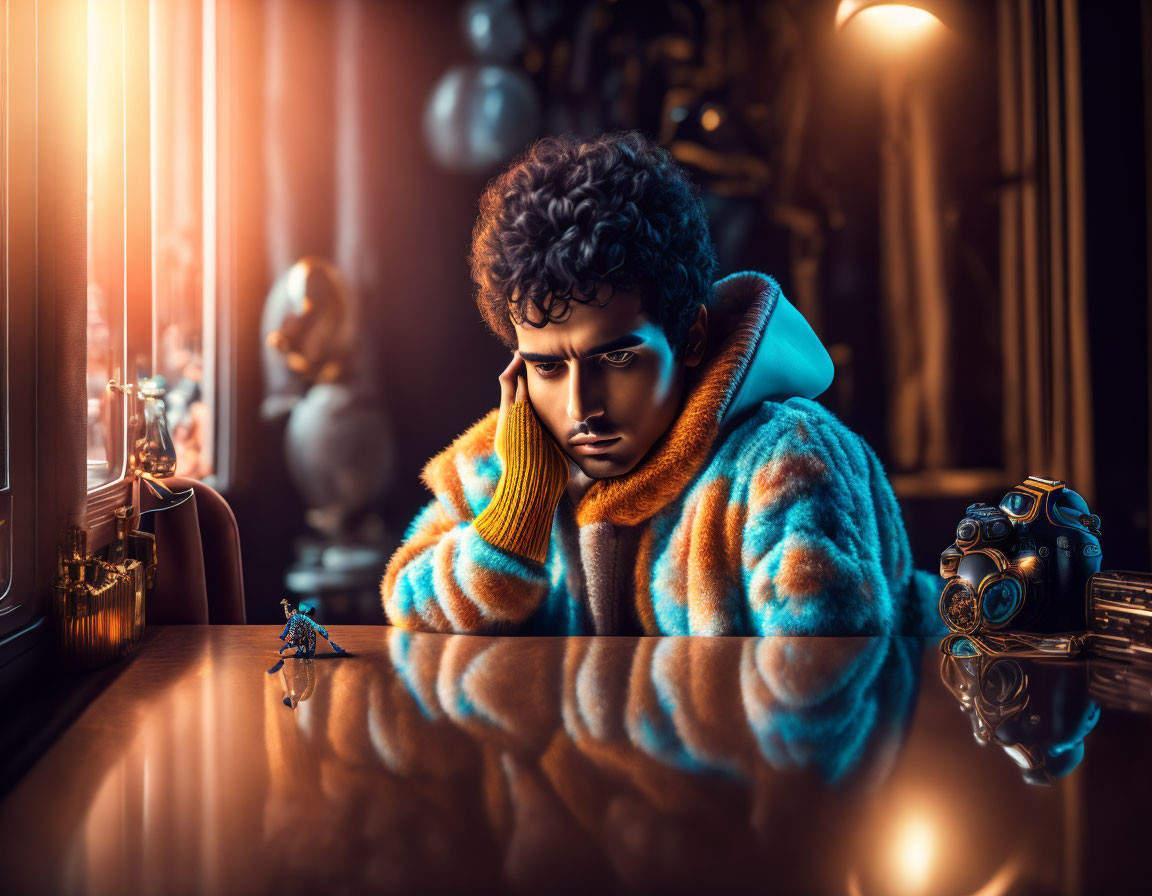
x,y
604,382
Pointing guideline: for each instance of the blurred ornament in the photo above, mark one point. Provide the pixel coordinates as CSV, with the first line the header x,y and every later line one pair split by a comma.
x,y
337,442
494,30
339,453
478,117
306,330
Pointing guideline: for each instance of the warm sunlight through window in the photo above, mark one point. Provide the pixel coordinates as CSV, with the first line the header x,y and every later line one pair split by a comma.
x,y
161,324
105,249
183,224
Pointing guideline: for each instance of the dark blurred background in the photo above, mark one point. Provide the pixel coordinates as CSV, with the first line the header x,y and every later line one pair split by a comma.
x,y
958,205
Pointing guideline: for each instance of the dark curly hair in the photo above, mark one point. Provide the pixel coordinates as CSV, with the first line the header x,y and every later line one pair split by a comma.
x,y
570,214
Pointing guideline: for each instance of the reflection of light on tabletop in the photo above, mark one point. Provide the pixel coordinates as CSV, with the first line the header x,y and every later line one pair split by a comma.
x,y
912,864
914,848
1001,880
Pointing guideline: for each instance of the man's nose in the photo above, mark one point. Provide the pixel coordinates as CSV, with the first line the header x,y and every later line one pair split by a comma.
x,y
584,394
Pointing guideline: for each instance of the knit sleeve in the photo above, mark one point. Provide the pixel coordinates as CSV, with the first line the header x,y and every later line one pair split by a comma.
x,y
519,519
460,570
824,547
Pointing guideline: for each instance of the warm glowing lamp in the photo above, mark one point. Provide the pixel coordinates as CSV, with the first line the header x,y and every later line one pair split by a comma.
x,y
894,24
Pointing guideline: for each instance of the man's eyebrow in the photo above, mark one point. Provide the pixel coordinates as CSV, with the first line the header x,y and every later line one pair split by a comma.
x,y
615,345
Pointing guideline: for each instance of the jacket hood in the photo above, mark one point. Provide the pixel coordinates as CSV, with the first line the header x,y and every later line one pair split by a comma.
x,y
760,348
787,361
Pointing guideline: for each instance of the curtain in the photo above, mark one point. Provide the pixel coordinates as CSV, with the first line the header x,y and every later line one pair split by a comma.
x,y
1047,406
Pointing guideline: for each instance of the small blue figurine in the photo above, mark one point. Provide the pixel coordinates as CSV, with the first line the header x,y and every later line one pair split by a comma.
x,y
300,632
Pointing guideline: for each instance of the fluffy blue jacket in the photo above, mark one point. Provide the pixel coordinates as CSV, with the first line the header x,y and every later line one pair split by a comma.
x,y
758,512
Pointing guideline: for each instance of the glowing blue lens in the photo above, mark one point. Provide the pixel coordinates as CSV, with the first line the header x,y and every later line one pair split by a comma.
x,y
1001,601
1016,504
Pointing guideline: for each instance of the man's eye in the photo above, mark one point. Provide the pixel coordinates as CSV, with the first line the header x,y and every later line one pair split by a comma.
x,y
620,358
546,368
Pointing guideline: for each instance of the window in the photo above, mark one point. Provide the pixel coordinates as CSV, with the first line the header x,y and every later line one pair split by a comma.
x,y
165,328
107,366
183,224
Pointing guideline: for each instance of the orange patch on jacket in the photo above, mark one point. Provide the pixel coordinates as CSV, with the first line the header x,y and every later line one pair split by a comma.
x,y
506,598
645,608
441,474
463,613
734,533
710,576
803,571
784,476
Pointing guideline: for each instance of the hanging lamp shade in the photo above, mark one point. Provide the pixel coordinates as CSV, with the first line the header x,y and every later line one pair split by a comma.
x,y
900,21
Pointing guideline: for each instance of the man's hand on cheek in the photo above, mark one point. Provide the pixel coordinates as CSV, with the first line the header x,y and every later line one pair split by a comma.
x,y
513,390
534,474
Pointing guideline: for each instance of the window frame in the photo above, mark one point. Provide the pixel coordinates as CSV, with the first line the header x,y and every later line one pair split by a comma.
x,y
18,608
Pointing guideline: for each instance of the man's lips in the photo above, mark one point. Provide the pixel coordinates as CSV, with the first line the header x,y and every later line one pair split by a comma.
x,y
590,438
593,445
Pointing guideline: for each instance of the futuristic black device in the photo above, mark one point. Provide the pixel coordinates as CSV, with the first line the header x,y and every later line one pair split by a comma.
x,y
1022,566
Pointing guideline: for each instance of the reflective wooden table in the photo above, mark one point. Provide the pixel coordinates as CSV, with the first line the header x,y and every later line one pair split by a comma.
x,y
454,763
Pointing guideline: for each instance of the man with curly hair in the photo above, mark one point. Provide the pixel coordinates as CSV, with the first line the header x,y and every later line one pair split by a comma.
x,y
657,464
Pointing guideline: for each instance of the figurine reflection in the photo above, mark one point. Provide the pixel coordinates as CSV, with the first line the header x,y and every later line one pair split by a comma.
x,y
298,678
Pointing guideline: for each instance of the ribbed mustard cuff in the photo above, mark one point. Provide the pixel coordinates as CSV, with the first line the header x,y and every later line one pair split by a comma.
x,y
519,519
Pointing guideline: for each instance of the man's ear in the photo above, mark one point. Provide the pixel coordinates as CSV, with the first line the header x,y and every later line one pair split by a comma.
x,y
697,341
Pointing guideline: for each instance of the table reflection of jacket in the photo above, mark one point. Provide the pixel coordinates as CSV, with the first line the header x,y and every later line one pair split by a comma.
x,y
553,764
833,706
758,512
